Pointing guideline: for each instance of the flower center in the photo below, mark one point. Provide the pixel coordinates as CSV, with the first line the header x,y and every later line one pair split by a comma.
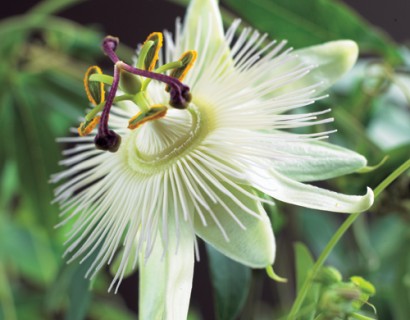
x,y
159,144
133,82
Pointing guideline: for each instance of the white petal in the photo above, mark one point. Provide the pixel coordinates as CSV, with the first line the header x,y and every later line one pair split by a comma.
x,y
166,280
206,13
203,32
328,61
316,160
255,246
333,59
287,190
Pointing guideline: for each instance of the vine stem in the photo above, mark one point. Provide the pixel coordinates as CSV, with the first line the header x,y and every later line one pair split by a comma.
x,y
335,239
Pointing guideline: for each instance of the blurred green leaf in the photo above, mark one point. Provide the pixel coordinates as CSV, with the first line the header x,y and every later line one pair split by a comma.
x,y
29,252
51,6
107,310
35,150
71,291
310,22
231,282
304,263
401,287
390,124
79,295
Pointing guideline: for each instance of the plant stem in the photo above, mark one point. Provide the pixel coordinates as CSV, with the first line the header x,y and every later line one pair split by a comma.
x,y
6,296
335,239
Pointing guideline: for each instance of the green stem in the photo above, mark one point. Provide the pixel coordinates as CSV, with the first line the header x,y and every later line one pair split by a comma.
x,y
359,316
142,101
143,54
101,78
99,107
335,239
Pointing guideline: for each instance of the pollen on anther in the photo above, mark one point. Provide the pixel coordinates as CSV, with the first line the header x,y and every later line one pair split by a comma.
x,y
188,58
86,127
154,113
153,53
95,90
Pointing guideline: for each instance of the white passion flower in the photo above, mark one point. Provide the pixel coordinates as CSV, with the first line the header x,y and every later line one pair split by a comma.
x,y
189,150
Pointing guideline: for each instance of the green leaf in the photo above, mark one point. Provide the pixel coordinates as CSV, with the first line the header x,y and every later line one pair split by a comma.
x,y
400,293
79,295
29,252
304,264
71,291
231,282
35,151
108,310
310,22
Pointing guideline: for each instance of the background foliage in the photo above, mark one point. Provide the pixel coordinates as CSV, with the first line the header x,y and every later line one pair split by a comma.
x,y
44,57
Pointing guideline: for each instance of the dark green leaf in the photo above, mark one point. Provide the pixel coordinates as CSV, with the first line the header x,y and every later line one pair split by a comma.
x,y
231,283
310,22
71,291
35,151
304,263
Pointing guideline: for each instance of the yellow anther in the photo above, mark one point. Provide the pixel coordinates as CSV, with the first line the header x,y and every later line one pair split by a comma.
x,y
188,58
152,55
94,89
86,127
154,113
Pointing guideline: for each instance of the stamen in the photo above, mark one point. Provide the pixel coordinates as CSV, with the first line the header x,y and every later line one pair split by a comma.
x,y
187,59
96,95
95,90
86,127
179,93
155,112
151,57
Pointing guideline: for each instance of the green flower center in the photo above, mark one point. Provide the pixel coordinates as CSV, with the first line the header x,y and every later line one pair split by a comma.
x,y
159,144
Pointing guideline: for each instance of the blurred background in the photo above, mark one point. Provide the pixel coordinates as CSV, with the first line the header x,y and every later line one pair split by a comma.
x,y
45,49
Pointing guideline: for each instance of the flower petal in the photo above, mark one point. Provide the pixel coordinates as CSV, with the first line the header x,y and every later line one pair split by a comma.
x,y
255,246
332,60
203,19
166,280
284,189
316,160
203,32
